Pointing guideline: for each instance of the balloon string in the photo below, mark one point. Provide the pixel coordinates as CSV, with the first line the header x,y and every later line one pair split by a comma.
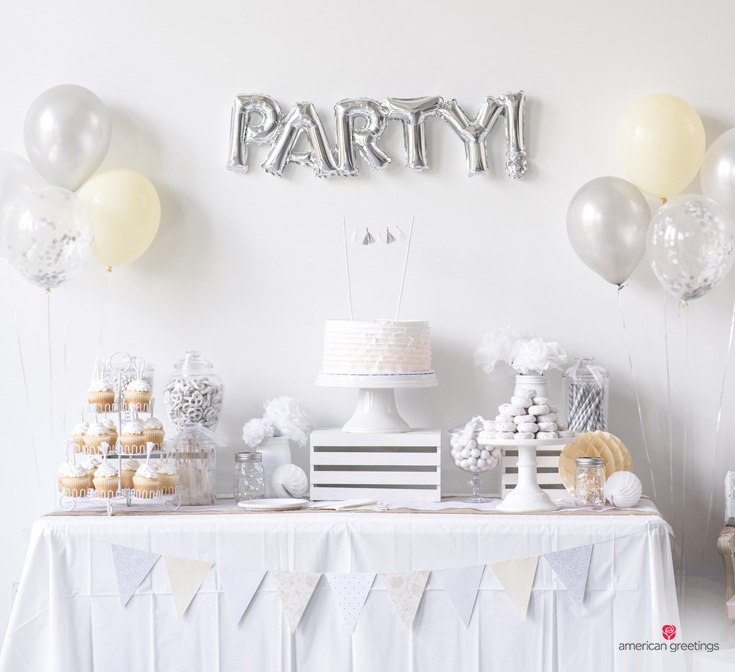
x,y
682,564
668,400
50,366
635,387
65,374
105,310
25,387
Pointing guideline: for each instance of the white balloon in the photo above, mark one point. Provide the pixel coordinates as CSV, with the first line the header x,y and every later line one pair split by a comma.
x,y
17,178
717,175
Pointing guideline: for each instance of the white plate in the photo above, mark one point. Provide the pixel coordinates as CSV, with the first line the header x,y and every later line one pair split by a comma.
x,y
273,504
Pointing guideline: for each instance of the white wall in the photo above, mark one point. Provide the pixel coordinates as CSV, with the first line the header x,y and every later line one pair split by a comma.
x,y
246,268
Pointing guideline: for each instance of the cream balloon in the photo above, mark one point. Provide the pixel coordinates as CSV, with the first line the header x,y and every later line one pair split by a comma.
x,y
126,213
661,144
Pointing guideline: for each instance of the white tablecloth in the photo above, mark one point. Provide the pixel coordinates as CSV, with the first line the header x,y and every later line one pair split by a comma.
x,y
68,614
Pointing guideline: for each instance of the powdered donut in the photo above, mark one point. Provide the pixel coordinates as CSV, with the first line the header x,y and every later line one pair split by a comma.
x,y
524,418
547,426
511,409
540,401
484,438
529,394
547,417
525,435
547,435
504,435
503,417
565,434
561,425
505,427
526,427
523,402
489,426
538,410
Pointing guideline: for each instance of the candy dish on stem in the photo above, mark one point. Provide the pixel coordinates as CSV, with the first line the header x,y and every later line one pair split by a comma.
x,y
471,457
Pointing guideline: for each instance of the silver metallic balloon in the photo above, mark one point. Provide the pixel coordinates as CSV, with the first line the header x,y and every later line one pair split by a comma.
x,y
67,134
254,119
717,174
514,109
607,222
17,177
302,119
413,112
351,139
473,133
690,245
48,236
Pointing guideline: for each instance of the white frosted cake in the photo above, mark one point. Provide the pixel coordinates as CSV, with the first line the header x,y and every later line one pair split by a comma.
x,y
360,347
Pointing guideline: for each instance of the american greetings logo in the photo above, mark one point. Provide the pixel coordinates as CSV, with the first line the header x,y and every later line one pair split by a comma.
x,y
668,631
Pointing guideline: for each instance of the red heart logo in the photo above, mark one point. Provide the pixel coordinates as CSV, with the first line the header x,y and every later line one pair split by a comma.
x,y
669,631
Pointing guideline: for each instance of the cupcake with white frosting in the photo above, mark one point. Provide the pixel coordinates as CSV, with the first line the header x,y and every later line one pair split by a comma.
x,y
146,481
153,429
168,476
138,395
129,467
90,463
96,434
76,482
77,435
112,428
132,438
106,480
62,471
101,396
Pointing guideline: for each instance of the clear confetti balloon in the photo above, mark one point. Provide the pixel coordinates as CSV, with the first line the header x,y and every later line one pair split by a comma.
x,y
690,245
48,236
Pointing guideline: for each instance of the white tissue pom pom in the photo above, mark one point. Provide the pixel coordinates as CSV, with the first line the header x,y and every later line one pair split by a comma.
x,y
255,431
536,355
623,489
289,418
288,480
497,347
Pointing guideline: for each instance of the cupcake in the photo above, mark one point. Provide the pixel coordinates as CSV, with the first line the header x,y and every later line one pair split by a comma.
x,y
90,463
106,480
154,433
129,467
77,435
132,438
112,428
138,395
62,471
76,482
145,481
168,476
96,434
101,396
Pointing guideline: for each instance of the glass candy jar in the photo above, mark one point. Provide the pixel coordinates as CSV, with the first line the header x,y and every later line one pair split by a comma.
x,y
589,482
586,390
193,394
248,481
194,452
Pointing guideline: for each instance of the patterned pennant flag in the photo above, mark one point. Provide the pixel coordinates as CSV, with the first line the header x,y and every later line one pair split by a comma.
x,y
186,577
351,591
295,590
131,567
406,590
239,586
516,576
572,566
461,586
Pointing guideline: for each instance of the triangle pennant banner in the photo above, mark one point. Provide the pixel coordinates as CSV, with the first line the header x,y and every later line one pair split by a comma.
x,y
406,590
516,576
239,586
131,567
186,577
351,591
295,590
461,586
572,566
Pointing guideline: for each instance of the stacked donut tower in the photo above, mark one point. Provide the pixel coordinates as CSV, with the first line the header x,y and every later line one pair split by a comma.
x,y
526,417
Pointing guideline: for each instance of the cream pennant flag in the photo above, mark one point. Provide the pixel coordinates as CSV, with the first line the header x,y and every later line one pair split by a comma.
x,y
186,577
295,590
572,566
461,586
516,576
406,590
351,591
131,567
239,586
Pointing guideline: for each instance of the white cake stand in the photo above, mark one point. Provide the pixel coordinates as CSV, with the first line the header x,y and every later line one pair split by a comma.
x,y
527,495
376,411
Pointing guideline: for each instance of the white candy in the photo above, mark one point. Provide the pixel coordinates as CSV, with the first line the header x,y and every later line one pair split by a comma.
x,y
566,434
472,444
503,417
458,462
192,399
540,401
475,452
547,435
504,435
505,427
523,402
455,441
547,417
489,426
464,464
524,418
465,453
529,394
485,454
526,427
525,435
547,426
484,438
481,463
472,461
561,424
538,410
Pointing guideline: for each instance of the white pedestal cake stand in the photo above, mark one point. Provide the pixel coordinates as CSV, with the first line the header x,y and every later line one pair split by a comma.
x,y
527,495
376,411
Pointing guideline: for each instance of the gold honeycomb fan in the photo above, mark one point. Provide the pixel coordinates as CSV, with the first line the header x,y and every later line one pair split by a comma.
x,y
594,444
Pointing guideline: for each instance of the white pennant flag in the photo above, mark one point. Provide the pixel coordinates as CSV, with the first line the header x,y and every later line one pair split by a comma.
x,y
186,577
239,586
461,586
131,567
572,566
406,590
516,576
351,590
295,590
